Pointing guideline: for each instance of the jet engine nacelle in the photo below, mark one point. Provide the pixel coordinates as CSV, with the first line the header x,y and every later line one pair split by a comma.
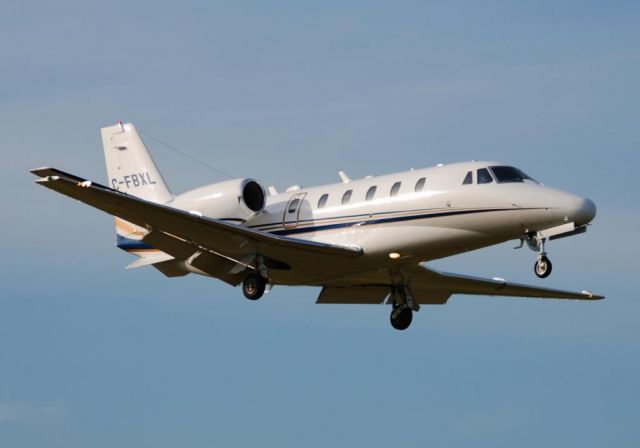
x,y
237,199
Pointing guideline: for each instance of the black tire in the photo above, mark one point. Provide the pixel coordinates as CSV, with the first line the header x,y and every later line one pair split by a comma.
x,y
253,286
401,317
543,267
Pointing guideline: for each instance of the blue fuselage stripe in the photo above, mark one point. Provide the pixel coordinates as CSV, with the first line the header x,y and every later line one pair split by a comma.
x,y
365,221
373,221
309,227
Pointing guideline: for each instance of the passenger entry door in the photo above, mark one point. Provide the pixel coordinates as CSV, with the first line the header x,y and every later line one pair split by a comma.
x,y
292,211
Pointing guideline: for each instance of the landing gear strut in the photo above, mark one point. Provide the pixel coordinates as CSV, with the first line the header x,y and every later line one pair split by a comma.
x,y
542,268
403,308
253,286
543,265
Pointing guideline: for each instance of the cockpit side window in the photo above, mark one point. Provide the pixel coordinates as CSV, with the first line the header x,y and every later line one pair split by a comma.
x,y
509,174
484,177
468,179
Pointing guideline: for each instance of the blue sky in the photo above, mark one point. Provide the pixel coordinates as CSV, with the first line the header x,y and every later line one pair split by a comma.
x,y
292,92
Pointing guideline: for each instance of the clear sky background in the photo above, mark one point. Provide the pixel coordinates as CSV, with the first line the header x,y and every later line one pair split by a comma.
x,y
291,92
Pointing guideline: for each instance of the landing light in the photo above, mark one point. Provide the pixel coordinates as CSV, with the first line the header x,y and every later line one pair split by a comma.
x,y
394,255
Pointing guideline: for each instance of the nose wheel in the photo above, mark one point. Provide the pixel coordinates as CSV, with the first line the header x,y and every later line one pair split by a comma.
x,y
543,267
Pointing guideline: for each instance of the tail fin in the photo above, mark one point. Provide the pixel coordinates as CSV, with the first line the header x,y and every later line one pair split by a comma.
x,y
131,169
129,165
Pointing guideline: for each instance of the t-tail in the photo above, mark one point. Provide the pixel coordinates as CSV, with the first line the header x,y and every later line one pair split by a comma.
x,y
131,169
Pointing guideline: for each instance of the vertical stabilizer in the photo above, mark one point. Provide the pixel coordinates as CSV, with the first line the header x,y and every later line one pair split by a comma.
x,y
130,167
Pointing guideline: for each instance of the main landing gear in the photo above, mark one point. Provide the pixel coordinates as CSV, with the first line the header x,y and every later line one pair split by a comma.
x,y
254,283
253,286
403,307
401,317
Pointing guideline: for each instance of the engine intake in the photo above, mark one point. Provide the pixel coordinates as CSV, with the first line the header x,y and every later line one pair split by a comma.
x,y
253,195
237,199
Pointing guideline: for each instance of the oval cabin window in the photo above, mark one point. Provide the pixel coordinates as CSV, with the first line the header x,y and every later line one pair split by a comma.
x,y
323,200
346,197
395,189
371,193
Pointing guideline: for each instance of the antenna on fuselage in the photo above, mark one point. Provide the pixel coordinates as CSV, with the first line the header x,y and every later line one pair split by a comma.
x,y
343,176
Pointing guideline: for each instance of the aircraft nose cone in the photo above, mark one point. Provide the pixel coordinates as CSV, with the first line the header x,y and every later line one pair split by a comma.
x,y
585,212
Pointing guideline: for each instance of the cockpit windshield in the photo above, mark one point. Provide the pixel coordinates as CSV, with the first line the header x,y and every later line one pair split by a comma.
x,y
507,174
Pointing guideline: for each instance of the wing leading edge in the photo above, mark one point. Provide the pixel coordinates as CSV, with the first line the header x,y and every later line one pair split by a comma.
x,y
229,241
429,286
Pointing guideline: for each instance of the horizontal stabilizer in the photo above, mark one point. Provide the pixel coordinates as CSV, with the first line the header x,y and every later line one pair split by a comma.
x,y
150,259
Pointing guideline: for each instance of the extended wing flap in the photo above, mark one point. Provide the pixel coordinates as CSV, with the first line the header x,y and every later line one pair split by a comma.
x,y
373,287
197,257
356,295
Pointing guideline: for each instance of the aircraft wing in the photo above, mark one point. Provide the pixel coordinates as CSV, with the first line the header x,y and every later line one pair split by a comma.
x,y
230,242
429,286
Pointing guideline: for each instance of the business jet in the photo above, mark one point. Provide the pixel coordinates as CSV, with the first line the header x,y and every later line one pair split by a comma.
x,y
362,241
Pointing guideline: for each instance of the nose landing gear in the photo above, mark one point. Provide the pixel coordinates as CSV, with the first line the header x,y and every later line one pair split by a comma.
x,y
543,266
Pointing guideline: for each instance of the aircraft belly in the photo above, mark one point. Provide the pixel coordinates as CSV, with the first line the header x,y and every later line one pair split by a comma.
x,y
426,239
317,273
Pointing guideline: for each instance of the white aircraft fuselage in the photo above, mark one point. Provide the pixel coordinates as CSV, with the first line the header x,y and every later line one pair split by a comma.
x,y
444,217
